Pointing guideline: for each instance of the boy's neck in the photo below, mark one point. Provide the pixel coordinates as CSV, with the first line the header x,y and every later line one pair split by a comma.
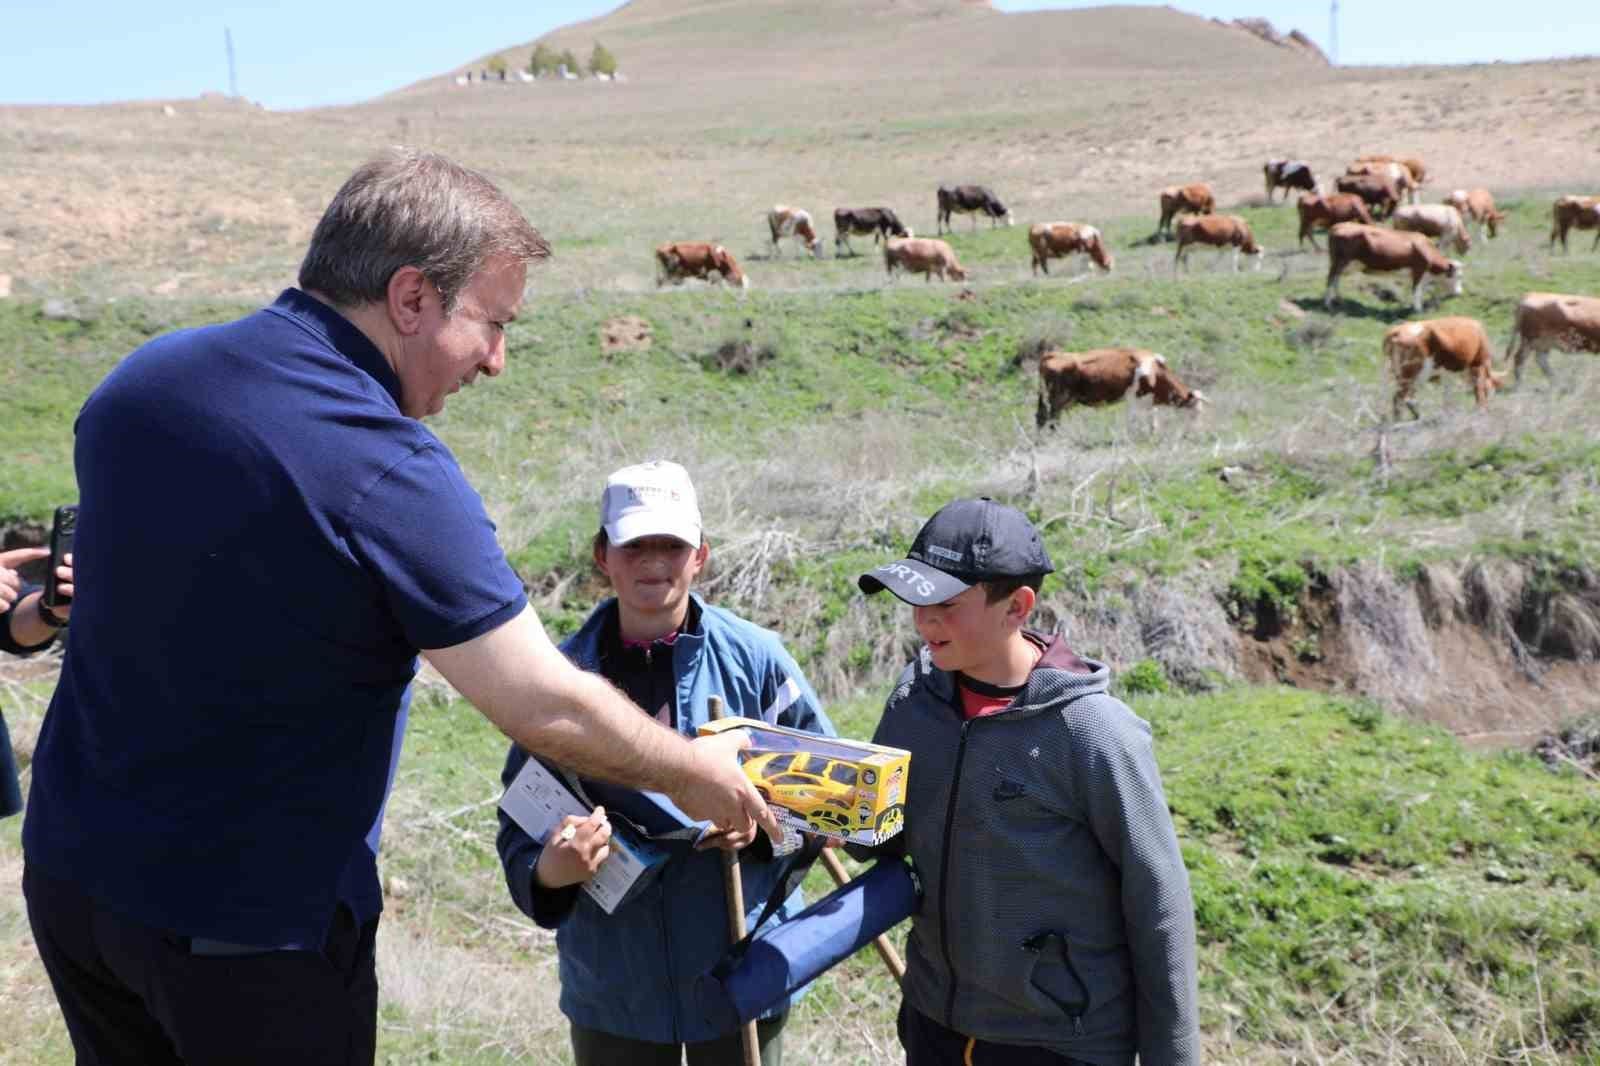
x,y
1010,665
650,625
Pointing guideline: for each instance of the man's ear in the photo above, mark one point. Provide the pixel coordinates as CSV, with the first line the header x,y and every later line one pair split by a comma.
x,y
1021,605
408,293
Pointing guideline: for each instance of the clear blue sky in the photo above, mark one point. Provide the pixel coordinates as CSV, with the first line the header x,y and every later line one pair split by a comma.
x,y
299,53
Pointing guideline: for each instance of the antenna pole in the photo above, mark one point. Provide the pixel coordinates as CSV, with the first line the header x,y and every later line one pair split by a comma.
x,y
233,75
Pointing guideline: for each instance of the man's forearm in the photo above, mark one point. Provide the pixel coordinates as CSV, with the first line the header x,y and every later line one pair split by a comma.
x,y
525,686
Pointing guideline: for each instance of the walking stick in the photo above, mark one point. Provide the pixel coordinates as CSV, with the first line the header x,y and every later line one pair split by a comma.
x,y
733,889
886,951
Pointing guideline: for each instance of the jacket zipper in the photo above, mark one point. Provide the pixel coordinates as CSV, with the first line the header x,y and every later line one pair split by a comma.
x,y
666,948
944,876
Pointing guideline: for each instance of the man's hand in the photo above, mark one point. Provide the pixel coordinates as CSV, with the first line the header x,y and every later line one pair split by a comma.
x,y
575,851
716,789
10,580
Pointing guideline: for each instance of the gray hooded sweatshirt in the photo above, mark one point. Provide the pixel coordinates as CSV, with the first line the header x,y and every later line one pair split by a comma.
x,y
1056,908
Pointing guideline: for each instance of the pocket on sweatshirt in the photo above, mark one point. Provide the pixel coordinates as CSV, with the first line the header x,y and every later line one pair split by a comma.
x,y
1053,976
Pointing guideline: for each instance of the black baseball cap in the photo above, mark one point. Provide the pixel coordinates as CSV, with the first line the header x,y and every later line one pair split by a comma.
x,y
966,542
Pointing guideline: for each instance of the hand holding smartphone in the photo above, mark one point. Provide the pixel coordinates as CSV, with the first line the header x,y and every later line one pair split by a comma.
x,y
61,532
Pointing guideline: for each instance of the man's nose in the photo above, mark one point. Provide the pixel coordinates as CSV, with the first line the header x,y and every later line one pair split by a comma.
x,y
497,358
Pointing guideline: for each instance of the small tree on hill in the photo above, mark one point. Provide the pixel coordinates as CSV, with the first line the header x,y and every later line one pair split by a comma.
x,y
544,60
497,65
572,64
601,61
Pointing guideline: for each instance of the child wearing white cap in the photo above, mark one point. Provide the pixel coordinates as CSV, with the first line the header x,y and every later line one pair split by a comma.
x,y
628,978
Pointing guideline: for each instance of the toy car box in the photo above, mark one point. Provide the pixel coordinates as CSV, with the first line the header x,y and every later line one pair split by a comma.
x,y
840,788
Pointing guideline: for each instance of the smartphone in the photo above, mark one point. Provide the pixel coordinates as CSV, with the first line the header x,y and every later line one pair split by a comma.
x,y
60,547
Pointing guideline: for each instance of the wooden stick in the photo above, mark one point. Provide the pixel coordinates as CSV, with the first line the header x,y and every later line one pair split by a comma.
x,y
733,889
886,951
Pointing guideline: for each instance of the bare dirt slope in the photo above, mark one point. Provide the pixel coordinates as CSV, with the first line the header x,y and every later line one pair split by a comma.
x,y
730,107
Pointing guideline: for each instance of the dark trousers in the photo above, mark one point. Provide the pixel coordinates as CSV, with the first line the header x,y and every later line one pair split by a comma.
x,y
928,1043
136,996
591,1047
10,787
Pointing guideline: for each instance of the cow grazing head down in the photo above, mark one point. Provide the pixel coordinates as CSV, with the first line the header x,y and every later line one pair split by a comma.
x,y
1105,376
728,267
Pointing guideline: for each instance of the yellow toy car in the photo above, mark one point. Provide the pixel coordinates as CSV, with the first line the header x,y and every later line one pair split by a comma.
x,y
822,791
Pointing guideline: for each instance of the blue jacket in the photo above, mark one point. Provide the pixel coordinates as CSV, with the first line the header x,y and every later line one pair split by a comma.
x,y
632,973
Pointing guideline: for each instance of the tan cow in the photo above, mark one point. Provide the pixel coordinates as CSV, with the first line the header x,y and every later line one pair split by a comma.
x,y
1478,205
1440,221
1419,172
1217,231
1104,376
1416,351
1581,212
922,255
1327,211
1060,240
697,259
785,221
1547,320
1378,250
1193,199
1399,175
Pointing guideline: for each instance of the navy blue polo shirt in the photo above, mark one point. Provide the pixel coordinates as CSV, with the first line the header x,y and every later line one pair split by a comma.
x,y
264,543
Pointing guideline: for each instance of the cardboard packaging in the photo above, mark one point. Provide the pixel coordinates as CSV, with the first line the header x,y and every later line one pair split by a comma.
x,y
847,789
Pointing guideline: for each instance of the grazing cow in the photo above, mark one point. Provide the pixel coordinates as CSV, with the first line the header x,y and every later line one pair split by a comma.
x,y
794,222
1440,221
1416,351
1287,174
970,200
1327,211
697,259
1193,199
878,221
1478,205
1419,172
1104,376
922,255
1057,240
1218,231
1399,175
1582,212
1547,320
1375,189
1378,249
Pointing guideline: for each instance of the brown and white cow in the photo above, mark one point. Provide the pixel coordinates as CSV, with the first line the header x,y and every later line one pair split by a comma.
x,y
1217,231
1378,250
1478,205
1417,351
1326,211
1195,198
1376,190
784,221
878,221
1419,172
970,200
1104,376
1287,174
1399,175
1440,221
1575,212
1058,240
922,255
1547,320
697,259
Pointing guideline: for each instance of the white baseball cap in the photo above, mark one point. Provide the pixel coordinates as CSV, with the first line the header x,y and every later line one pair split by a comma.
x,y
654,499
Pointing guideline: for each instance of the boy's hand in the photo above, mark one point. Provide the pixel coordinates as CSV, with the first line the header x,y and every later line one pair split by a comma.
x,y
573,852
726,839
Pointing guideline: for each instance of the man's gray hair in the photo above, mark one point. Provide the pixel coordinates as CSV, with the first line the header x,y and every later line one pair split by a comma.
x,y
419,209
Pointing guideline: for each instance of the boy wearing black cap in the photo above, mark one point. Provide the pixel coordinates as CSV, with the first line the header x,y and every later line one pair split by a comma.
x,y
1056,924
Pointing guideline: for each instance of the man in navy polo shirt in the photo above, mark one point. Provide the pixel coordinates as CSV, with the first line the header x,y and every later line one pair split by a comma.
x,y
267,536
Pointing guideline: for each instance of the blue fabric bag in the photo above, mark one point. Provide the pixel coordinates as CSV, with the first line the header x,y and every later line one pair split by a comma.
x,y
778,960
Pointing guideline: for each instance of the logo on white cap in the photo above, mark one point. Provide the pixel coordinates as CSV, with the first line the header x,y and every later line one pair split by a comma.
x,y
650,500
